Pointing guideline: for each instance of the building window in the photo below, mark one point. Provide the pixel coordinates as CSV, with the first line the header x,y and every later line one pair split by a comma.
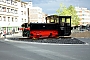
x,y
24,12
21,12
4,18
15,11
12,10
4,9
4,0
24,5
16,19
21,4
83,15
25,20
15,3
0,18
12,2
0,8
8,10
83,22
8,19
22,19
12,19
8,1
82,18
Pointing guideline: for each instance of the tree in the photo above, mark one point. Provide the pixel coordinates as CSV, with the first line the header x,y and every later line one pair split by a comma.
x,y
70,11
61,9
73,13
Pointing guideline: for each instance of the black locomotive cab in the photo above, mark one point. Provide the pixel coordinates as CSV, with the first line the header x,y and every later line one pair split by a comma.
x,y
55,26
64,24
25,33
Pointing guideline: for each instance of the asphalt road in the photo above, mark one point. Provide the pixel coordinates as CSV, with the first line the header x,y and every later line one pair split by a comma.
x,y
13,50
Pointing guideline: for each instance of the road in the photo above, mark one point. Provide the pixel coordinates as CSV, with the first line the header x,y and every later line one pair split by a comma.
x,y
14,50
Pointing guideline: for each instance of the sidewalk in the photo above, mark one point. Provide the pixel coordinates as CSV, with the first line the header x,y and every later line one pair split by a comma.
x,y
14,35
85,34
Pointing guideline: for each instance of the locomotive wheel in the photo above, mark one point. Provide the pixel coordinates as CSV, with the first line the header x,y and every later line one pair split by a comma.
x,y
57,37
34,38
50,35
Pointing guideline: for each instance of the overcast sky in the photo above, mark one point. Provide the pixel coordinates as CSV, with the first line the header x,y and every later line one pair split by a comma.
x,y
50,6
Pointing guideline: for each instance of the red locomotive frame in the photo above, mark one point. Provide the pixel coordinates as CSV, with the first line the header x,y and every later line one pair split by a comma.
x,y
55,26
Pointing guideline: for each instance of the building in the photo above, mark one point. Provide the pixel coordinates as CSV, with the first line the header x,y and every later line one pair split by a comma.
x,y
84,15
8,15
12,14
34,14
23,13
44,17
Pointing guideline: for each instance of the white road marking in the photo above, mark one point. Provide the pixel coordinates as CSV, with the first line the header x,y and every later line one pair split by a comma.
x,y
42,43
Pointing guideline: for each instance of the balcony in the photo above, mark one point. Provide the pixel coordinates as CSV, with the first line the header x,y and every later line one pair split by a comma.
x,y
3,24
9,3
85,16
16,14
8,13
15,24
3,13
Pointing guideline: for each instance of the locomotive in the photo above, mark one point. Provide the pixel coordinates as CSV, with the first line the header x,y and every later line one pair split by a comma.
x,y
54,27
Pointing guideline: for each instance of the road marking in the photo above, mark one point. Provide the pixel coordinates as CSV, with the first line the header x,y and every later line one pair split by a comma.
x,y
41,43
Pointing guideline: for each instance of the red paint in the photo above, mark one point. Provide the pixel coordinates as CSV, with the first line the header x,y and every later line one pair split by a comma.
x,y
27,28
21,28
24,28
43,33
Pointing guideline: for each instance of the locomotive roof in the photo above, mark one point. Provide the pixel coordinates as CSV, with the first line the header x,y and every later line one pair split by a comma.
x,y
60,16
43,23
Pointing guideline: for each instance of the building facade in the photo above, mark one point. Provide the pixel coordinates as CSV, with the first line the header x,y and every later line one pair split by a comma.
x,y
23,13
35,14
84,15
44,17
12,15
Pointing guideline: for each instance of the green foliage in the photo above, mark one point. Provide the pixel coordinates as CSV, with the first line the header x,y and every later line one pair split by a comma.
x,y
70,11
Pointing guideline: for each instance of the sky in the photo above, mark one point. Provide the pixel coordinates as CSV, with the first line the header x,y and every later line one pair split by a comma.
x,y
50,6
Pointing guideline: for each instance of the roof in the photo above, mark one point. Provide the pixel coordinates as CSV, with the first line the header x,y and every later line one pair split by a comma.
x,y
59,16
